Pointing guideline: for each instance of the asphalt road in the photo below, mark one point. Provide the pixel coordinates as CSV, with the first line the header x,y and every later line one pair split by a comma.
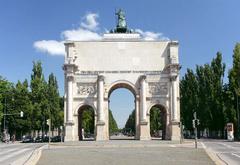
x,y
121,152
228,152
16,153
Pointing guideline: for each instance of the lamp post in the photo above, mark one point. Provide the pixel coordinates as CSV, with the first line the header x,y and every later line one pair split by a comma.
x,y
8,114
195,123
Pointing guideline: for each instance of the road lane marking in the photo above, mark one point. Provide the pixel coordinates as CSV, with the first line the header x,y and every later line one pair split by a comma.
x,y
228,146
14,154
203,145
8,150
172,146
235,155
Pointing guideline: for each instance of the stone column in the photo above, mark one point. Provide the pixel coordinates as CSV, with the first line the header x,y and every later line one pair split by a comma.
x,y
69,99
100,100
102,125
137,125
143,92
175,129
69,125
69,69
144,124
174,98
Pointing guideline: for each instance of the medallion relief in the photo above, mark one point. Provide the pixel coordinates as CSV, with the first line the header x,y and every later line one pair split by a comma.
x,y
86,89
158,88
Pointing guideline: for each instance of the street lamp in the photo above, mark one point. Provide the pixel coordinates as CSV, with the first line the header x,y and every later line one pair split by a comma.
x,y
8,114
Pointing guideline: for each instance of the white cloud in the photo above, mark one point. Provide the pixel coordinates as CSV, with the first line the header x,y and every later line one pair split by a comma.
x,y
151,36
51,47
80,35
86,32
90,21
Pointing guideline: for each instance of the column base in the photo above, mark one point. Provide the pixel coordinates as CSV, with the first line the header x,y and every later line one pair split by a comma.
x,y
100,123
101,131
144,131
69,132
175,131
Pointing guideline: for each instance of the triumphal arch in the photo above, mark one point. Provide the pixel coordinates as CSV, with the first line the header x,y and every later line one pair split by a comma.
x,y
122,59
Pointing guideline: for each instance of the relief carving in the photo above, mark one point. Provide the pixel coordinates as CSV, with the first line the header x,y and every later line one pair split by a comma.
x,y
157,88
86,89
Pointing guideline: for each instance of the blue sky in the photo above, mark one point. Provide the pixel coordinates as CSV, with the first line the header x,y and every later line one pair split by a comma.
x,y
202,27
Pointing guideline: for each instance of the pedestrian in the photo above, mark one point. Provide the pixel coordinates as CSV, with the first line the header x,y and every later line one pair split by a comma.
x,y
8,137
13,138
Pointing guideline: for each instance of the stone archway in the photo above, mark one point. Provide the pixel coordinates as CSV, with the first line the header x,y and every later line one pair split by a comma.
x,y
158,127
130,87
149,69
86,131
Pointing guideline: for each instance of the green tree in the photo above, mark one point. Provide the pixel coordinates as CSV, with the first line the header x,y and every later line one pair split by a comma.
x,y
112,123
21,102
130,124
53,99
202,92
234,86
155,120
189,97
5,94
88,120
40,112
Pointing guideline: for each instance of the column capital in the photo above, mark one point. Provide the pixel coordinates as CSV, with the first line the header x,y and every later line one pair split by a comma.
x,y
69,77
69,70
173,77
142,78
101,78
70,67
173,71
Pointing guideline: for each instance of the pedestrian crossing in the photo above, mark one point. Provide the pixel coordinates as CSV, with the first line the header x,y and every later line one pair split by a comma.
x,y
10,153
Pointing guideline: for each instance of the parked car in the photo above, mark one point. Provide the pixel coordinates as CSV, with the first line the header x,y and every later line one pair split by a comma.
x,y
38,139
27,139
56,139
46,139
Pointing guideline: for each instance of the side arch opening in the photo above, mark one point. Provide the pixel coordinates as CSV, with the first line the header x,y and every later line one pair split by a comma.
x,y
86,123
158,122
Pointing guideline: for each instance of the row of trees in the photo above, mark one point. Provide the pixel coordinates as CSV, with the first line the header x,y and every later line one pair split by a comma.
x,y
113,127
88,121
204,91
39,100
156,121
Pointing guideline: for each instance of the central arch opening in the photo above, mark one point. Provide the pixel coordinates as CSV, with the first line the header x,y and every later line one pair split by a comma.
x,y
122,112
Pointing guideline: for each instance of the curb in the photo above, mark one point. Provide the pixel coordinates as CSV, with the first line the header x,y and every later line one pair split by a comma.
x,y
215,158
33,159
106,145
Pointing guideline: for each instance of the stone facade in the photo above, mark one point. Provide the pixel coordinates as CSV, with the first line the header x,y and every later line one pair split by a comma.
x,y
149,69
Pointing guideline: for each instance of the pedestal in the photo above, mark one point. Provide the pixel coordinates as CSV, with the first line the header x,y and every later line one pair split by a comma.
x,y
175,129
101,131
144,131
69,134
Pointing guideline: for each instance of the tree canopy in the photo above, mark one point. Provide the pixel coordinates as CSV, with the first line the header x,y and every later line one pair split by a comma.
x,y
38,101
204,91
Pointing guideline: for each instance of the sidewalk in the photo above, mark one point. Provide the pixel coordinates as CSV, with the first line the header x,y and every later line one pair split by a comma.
x,y
126,152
